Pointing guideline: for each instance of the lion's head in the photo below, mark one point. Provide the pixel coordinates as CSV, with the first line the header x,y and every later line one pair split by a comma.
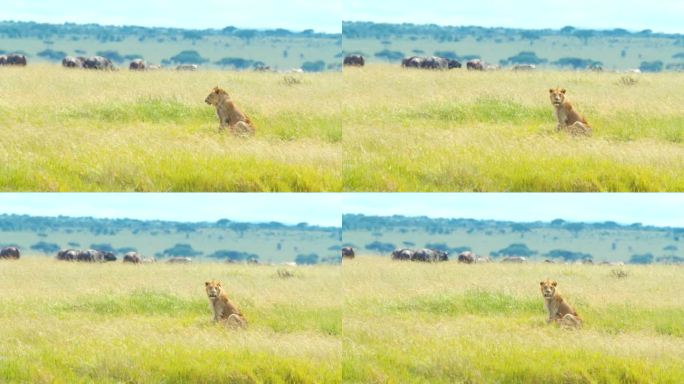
x,y
215,96
213,288
548,288
557,96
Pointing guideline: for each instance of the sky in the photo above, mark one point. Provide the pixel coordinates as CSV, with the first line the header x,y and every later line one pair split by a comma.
x,y
633,15
289,208
659,209
296,15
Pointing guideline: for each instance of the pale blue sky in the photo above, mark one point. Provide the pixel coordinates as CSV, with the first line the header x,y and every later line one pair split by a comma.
x,y
636,15
296,15
290,208
659,209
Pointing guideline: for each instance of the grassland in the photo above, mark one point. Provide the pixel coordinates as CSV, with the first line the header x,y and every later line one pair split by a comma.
x,y
112,323
451,323
413,130
73,130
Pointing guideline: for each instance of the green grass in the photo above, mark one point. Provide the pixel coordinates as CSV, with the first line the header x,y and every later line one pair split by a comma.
x,y
413,130
453,323
77,130
75,323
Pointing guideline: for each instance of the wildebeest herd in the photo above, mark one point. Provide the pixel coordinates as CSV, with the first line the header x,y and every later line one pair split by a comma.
x,y
13,59
9,253
91,62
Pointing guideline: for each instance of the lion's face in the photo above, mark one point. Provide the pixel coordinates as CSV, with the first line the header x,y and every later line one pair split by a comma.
x,y
557,96
213,288
215,96
548,288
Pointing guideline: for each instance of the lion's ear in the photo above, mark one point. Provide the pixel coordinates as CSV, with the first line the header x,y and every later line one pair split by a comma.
x,y
563,91
541,283
550,90
206,284
554,283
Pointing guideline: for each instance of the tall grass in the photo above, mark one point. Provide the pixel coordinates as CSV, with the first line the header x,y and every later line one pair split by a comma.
x,y
76,323
413,130
449,323
73,130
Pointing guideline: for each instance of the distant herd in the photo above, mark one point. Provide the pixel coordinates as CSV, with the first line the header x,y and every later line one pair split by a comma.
x,y
94,256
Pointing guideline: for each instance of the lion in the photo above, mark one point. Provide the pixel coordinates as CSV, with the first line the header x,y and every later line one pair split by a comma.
x,y
568,118
559,310
224,310
228,114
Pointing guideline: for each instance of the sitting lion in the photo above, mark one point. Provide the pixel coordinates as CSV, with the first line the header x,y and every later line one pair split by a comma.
x,y
228,114
224,310
559,310
568,118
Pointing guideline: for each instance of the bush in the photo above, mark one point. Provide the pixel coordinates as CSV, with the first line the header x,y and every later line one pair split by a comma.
x,y
234,255
524,57
646,258
235,62
389,55
313,66
309,259
518,249
568,255
651,66
380,247
106,247
52,55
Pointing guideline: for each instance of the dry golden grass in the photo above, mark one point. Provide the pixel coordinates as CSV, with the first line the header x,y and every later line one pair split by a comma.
x,y
448,323
77,130
417,130
69,322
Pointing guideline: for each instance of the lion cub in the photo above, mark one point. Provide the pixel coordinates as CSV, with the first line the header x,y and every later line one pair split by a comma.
x,y
559,310
224,310
568,118
228,114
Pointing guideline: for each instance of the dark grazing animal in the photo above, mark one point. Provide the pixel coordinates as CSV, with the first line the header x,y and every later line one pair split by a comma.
x,y
138,65
354,61
13,59
467,257
132,257
10,253
348,253
72,62
475,65
98,62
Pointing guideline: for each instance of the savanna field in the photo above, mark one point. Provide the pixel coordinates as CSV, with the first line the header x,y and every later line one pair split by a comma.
x,y
79,130
417,130
410,322
66,322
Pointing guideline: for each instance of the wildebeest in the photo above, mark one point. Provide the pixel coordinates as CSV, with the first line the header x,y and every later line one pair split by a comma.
x,y
430,255
187,67
430,62
13,59
108,256
514,259
354,61
9,253
67,254
97,62
475,65
467,257
403,254
524,67
88,256
347,253
179,260
132,257
138,65
72,62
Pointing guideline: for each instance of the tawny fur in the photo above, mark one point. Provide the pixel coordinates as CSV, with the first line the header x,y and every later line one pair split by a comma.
x,y
229,115
224,309
568,119
558,309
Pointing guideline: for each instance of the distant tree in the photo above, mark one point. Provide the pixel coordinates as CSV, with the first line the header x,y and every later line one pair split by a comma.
x,y
389,55
524,57
235,62
111,55
309,259
670,247
645,258
49,54
123,250
651,66
575,62
557,222
188,57
584,35
74,244
574,228
45,247
520,228
568,30
517,249
106,247
245,34
408,243
133,56
568,255
313,66
234,255
670,259
679,55
451,55
380,247
181,250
